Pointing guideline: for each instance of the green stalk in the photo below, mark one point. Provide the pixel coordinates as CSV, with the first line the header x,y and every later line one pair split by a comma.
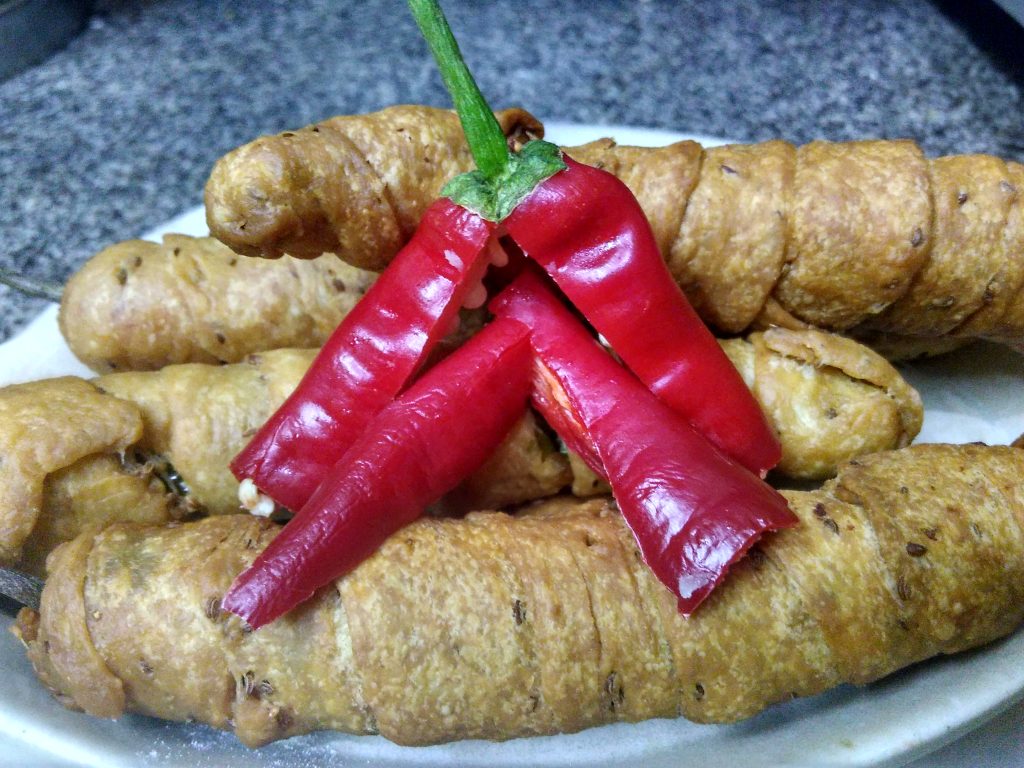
x,y
484,135
502,179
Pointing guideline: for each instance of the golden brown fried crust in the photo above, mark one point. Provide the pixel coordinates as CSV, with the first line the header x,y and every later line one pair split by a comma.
x,y
869,234
141,306
352,185
93,493
828,398
735,232
659,178
47,427
972,196
200,416
858,209
497,626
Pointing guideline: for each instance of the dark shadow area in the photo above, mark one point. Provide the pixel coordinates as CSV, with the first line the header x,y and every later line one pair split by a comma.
x,y
992,30
8,606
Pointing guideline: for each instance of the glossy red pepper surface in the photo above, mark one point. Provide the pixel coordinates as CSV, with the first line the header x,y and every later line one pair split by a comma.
x,y
693,510
370,357
585,228
417,449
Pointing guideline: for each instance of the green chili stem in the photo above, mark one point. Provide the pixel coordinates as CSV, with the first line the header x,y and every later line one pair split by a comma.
x,y
485,137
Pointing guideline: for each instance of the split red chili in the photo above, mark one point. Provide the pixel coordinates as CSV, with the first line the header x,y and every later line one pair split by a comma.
x,y
587,230
358,464
416,449
371,357
693,510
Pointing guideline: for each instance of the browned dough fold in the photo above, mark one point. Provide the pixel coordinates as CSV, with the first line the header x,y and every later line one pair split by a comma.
x,y
63,468
495,626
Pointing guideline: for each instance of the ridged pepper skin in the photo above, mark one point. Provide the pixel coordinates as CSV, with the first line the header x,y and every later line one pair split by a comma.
x,y
585,228
416,449
693,510
371,356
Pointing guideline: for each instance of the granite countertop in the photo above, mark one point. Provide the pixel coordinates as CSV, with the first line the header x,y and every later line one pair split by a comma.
x,y
117,133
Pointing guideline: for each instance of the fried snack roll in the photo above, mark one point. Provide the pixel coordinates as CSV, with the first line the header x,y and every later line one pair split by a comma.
x,y
496,627
63,468
828,398
867,235
356,185
200,416
139,305
840,235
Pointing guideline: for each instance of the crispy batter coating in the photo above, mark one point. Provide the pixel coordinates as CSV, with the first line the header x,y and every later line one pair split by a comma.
x,y
139,305
68,450
735,231
95,492
868,235
497,626
827,397
199,416
61,467
352,185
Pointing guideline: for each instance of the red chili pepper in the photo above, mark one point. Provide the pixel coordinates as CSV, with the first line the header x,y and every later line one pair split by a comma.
x,y
589,233
416,450
693,510
370,357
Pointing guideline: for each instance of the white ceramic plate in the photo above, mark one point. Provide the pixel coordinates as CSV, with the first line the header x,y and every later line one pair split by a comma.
x,y
972,395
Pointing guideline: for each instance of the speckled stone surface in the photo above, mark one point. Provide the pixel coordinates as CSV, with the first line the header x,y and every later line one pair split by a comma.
x,y
117,133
